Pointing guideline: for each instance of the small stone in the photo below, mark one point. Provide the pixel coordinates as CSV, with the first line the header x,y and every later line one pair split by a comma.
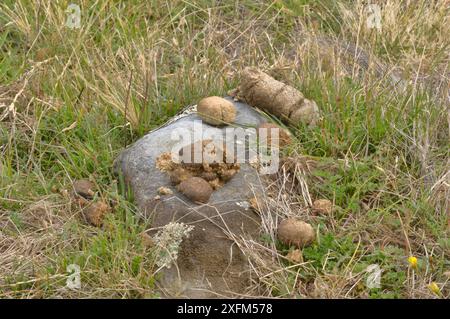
x,y
164,191
295,232
215,110
322,207
95,213
196,189
295,256
84,188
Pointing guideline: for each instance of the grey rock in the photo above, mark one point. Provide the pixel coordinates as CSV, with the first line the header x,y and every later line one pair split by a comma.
x,y
209,263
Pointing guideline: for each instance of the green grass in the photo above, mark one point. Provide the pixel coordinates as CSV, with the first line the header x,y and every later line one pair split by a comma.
x,y
383,154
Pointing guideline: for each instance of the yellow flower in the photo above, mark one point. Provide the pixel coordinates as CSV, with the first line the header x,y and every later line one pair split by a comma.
x,y
434,288
412,262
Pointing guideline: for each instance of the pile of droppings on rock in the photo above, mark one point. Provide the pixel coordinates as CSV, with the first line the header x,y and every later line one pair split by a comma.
x,y
197,181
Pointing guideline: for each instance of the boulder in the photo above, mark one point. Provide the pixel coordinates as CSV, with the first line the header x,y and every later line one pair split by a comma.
x,y
209,263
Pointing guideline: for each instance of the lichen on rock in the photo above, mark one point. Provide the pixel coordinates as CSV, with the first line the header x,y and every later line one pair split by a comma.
x,y
167,242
